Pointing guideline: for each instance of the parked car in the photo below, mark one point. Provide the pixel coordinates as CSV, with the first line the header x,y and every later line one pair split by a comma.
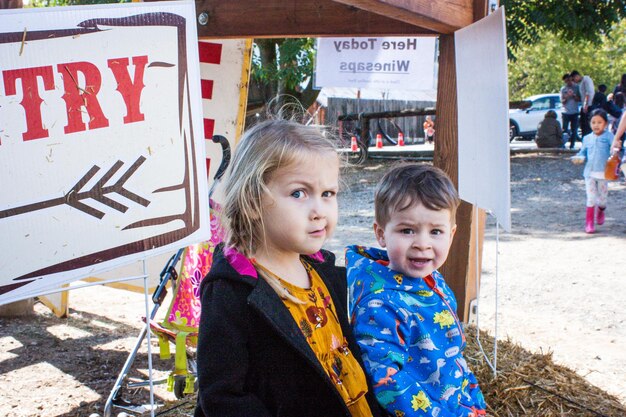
x,y
523,122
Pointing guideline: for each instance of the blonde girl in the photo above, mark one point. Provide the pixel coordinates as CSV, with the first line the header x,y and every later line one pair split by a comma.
x,y
274,339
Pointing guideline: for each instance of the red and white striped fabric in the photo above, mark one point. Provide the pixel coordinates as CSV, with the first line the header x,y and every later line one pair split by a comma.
x,y
223,65
210,53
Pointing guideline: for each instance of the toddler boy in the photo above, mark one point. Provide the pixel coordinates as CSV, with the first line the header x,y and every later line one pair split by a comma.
x,y
402,311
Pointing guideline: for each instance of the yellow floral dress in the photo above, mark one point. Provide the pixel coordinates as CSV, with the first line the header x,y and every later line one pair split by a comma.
x,y
318,322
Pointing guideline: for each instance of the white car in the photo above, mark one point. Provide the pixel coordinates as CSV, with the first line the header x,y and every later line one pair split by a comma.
x,y
523,122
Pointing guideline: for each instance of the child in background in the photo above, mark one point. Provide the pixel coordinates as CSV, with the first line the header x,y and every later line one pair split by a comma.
x,y
274,338
429,129
595,151
402,311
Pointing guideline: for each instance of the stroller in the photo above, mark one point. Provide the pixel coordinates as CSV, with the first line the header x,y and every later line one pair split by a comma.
x,y
182,319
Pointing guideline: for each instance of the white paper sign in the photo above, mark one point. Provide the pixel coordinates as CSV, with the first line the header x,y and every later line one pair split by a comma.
x,y
102,156
483,100
384,63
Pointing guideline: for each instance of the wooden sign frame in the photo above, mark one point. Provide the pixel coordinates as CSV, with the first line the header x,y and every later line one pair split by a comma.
x,y
319,18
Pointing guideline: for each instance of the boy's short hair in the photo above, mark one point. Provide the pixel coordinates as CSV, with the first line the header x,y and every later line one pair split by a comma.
x,y
566,76
408,184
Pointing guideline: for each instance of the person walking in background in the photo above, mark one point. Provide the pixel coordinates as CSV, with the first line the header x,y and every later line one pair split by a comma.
x,y
599,98
595,151
615,108
587,91
570,96
619,100
621,125
549,133
618,141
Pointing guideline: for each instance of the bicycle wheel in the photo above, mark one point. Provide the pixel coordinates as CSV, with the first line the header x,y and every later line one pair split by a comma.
x,y
361,155
392,131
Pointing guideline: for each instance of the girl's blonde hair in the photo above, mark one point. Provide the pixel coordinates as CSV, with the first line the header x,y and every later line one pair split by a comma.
x,y
263,149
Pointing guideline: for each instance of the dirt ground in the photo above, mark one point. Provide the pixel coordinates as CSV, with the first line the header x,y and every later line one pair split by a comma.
x,y
558,290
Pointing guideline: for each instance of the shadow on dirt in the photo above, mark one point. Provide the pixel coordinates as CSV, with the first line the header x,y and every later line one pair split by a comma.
x,y
87,347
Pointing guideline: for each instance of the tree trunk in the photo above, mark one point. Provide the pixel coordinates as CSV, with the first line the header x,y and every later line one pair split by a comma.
x,y
267,53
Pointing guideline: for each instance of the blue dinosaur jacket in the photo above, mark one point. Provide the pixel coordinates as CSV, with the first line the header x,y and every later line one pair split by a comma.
x,y
411,339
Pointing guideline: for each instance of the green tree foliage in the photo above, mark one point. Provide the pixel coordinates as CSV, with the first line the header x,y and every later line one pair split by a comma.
x,y
540,66
575,20
280,68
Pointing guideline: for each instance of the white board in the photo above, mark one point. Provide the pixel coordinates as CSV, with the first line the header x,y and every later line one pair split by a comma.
x,y
102,153
483,102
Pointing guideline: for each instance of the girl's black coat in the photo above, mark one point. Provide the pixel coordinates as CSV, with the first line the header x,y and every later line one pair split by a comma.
x,y
253,360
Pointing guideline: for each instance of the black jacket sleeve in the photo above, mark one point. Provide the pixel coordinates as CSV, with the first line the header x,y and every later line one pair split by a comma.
x,y
222,354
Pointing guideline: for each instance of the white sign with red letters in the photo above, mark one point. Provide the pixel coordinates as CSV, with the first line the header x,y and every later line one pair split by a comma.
x,y
102,152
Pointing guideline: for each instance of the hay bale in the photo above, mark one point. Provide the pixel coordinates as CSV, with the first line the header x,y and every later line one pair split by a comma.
x,y
527,385
531,384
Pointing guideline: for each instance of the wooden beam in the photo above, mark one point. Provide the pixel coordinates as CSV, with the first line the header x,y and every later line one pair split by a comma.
x,y
11,4
293,18
475,258
481,9
446,157
459,270
446,146
443,17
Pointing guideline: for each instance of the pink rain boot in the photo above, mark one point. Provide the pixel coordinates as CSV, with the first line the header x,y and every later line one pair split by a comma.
x,y
600,215
589,226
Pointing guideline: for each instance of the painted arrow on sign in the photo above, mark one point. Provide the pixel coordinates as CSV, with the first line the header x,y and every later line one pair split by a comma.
x,y
98,192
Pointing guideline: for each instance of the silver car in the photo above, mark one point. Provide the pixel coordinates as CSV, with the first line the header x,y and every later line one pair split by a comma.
x,y
523,122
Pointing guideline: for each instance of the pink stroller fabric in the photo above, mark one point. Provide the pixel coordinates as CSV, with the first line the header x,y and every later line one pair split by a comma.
x,y
184,312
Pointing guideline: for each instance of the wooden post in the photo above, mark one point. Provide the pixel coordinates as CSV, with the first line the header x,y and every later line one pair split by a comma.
x,y
460,268
293,18
481,9
18,308
11,4
364,124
